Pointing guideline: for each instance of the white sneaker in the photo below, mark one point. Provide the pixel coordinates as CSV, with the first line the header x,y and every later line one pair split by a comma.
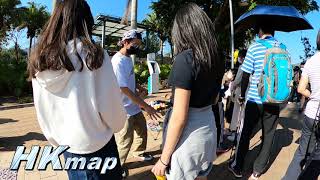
x,y
254,176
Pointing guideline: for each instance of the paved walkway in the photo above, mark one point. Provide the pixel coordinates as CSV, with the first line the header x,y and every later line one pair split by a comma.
x,y
20,127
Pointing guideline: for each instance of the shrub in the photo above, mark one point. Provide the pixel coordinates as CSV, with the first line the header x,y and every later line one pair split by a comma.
x,y
13,76
165,71
142,72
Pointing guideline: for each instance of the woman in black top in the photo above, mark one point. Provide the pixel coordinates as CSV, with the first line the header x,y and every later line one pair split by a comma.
x,y
189,130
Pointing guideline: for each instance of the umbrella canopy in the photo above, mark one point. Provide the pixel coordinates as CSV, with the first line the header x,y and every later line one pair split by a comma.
x,y
280,18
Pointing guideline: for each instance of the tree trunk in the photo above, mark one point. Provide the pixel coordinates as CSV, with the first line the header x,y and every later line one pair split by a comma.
x,y
16,49
125,17
30,46
134,7
1,23
161,49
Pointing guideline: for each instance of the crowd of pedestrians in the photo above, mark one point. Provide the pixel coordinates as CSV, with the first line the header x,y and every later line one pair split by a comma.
x,y
92,103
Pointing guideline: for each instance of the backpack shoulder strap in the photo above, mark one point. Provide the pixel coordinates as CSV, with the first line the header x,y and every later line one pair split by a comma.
x,y
269,46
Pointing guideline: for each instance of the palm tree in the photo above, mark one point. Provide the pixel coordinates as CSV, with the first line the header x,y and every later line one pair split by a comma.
x,y
155,23
34,19
130,12
126,14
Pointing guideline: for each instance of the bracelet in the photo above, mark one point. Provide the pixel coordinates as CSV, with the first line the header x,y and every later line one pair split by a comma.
x,y
163,162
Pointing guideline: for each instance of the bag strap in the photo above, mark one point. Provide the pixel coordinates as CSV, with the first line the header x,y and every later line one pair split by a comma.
x,y
303,161
269,45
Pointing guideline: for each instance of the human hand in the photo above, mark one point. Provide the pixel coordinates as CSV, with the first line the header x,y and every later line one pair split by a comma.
x,y
241,100
154,115
159,168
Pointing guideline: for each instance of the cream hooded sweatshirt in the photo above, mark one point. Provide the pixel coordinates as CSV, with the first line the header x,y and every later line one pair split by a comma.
x,y
79,109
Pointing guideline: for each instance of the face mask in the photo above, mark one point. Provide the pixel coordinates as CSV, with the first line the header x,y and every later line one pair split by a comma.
x,y
133,50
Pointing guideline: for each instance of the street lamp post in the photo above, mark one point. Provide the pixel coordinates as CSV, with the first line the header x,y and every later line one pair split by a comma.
x,y
241,3
134,9
232,33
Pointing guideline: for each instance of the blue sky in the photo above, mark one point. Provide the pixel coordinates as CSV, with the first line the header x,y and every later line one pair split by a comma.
x,y
116,8
108,7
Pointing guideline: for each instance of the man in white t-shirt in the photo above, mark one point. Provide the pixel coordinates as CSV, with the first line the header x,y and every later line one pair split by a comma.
x,y
136,123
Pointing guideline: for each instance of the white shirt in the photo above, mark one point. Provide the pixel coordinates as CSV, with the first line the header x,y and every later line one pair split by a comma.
x,y
79,109
311,70
124,70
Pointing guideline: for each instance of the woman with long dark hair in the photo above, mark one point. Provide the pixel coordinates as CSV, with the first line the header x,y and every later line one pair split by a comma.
x,y
189,129
76,94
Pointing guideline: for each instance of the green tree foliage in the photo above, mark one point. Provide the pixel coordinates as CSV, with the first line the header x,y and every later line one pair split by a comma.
x,y
13,74
153,45
165,71
159,26
34,18
309,51
10,16
14,36
13,62
142,72
218,11
111,43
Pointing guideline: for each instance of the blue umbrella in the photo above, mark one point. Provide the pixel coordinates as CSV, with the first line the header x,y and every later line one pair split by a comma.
x,y
280,18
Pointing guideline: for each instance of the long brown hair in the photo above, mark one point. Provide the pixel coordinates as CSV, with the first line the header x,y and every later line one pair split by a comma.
x,y
193,29
71,20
